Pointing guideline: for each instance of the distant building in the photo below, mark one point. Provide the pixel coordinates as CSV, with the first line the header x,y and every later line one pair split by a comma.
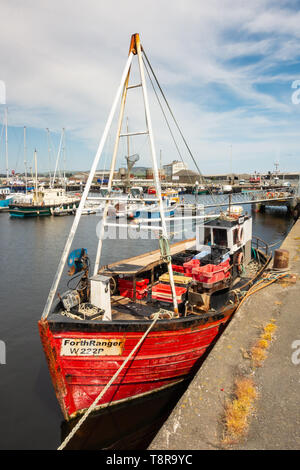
x,y
172,168
186,177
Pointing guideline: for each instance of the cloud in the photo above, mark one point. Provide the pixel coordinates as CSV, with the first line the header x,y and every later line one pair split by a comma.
x,y
217,61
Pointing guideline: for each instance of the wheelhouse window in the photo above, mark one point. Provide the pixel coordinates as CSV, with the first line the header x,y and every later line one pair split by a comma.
x,y
207,236
220,237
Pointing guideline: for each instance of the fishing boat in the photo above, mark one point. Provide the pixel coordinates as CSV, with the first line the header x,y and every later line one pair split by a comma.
x,y
151,190
61,211
6,198
200,190
88,211
152,210
170,195
43,202
141,325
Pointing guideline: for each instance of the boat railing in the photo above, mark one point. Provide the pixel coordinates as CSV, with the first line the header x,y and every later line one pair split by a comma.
x,y
261,245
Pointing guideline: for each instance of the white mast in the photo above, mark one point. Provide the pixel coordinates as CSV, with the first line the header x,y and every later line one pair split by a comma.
x,y
36,178
49,156
136,48
155,168
6,145
85,193
64,157
25,161
57,157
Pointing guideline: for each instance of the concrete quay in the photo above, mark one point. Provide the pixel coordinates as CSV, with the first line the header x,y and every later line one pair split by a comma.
x,y
196,422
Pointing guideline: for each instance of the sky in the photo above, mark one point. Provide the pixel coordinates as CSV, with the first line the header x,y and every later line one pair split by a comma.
x,y
229,69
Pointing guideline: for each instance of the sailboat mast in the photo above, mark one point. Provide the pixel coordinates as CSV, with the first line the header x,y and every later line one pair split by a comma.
x,y
6,145
25,161
58,155
49,156
64,157
36,179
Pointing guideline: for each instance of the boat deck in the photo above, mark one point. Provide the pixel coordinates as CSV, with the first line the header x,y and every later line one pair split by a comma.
x,y
127,309
145,261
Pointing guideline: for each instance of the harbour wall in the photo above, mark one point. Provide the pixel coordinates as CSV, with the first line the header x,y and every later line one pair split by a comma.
x,y
197,421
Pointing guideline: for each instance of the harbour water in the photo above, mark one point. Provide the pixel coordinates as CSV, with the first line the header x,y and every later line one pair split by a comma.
x,y
30,251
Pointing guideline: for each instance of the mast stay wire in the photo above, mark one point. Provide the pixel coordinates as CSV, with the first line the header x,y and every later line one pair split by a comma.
x,y
166,119
177,125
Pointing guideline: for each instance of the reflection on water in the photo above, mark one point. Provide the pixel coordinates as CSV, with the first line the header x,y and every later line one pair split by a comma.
x,y
30,251
127,426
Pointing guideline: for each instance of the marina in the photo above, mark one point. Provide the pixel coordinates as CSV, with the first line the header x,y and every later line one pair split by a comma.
x,y
137,330
39,250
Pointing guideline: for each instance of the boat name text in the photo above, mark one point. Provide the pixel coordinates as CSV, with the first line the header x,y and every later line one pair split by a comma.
x,y
92,347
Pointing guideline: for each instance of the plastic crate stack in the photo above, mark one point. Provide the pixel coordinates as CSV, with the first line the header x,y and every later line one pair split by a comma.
x,y
210,274
163,293
126,288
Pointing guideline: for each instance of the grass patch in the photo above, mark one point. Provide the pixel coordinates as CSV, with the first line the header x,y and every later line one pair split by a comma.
x,y
239,410
258,353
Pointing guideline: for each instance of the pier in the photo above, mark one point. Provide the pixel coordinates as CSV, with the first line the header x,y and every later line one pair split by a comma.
x,y
197,421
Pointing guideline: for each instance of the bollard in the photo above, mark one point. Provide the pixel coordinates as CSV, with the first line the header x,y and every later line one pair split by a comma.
x,y
281,259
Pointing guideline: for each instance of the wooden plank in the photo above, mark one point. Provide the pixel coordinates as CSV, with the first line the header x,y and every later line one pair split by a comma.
x,y
145,261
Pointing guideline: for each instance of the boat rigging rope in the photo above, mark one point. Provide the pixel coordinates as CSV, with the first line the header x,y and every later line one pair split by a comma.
x,y
177,125
95,402
164,114
266,281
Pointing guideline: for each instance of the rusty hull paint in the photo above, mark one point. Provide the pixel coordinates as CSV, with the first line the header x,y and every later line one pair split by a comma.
x,y
165,357
53,365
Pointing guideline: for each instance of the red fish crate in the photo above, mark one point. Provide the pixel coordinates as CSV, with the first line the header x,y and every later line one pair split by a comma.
x,y
210,274
163,293
178,269
128,283
188,267
139,294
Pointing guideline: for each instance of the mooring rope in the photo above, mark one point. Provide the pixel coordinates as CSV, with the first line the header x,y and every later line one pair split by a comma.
x,y
94,404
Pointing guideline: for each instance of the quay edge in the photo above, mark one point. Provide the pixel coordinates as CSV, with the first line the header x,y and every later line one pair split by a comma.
x,y
196,420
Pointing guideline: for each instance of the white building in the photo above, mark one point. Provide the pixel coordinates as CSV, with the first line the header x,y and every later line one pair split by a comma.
x,y
172,168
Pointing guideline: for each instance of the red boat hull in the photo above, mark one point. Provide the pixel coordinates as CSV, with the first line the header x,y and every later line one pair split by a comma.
x,y
167,355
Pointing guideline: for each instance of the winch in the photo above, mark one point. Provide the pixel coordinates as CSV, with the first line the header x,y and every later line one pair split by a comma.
x,y
78,263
